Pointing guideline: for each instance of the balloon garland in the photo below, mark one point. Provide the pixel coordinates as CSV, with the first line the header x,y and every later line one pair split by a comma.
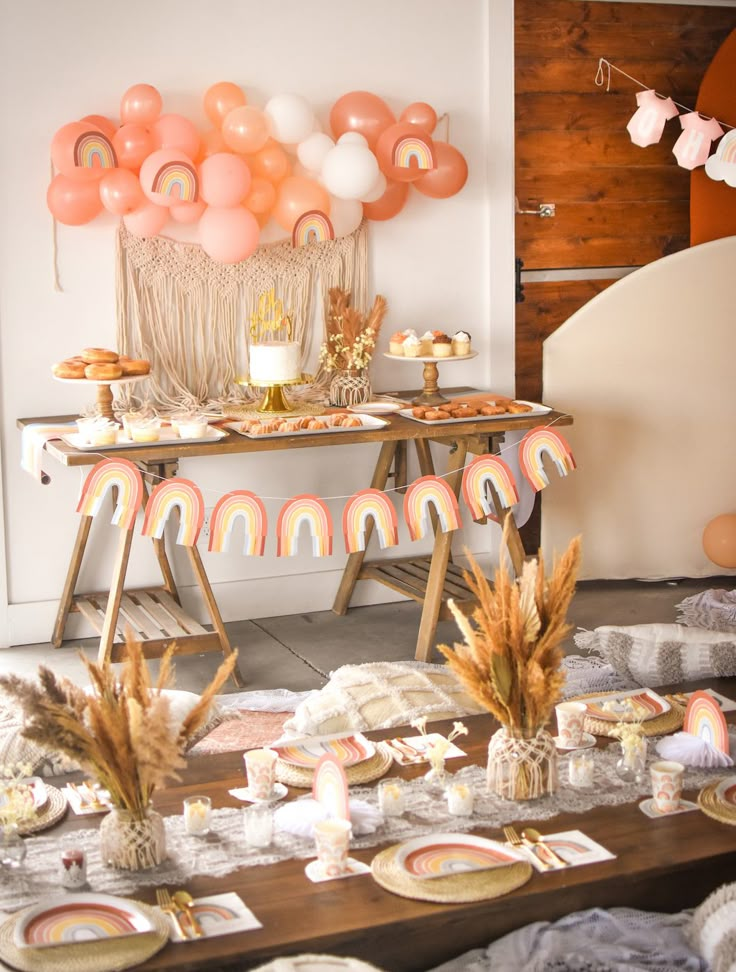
x,y
252,166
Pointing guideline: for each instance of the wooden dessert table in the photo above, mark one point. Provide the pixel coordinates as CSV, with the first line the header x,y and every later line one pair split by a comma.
x,y
660,865
428,580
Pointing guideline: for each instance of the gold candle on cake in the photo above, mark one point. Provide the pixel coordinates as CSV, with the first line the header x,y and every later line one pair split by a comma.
x,y
275,359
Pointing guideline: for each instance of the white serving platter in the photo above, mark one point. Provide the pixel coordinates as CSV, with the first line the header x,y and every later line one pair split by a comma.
x,y
367,422
72,919
100,381
168,436
537,409
443,855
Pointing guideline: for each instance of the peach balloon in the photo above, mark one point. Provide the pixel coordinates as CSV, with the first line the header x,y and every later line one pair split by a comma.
x,y
271,162
169,177
211,142
245,129
121,192
176,132
228,234
407,144
82,151
132,144
73,201
220,99
361,111
449,175
719,540
421,114
106,125
390,204
224,179
261,197
296,196
141,105
187,212
148,220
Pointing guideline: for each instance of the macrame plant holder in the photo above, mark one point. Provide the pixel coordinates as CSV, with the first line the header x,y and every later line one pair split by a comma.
x,y
521,765
132,842
190,316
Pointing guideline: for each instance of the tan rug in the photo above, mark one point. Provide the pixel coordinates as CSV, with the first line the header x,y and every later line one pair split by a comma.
x,y
253,730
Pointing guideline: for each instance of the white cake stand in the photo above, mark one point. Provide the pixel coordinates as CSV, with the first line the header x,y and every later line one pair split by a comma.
x,y
430,394
103,403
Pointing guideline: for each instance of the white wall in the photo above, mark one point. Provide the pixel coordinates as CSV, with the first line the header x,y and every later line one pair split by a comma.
x,y
440,263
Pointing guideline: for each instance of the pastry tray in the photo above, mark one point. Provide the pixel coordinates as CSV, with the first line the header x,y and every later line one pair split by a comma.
x,y
537,409
367,422
167,437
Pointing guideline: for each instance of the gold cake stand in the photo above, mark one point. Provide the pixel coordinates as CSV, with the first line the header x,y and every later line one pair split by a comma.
x,y
275,402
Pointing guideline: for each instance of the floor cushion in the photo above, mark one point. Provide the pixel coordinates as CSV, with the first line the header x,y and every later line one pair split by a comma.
x,y
713,929
713,609
655,654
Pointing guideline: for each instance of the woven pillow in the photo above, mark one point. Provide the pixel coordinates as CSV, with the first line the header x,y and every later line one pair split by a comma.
x,y
655,654
713,929
379,695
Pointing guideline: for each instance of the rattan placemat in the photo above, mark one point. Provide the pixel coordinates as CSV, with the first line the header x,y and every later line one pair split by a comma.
x,y
715,808
454,889
365,772
53,810
96,956
658,726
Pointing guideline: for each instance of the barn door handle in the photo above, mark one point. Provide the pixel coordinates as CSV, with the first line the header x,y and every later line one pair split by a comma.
x,y
545,210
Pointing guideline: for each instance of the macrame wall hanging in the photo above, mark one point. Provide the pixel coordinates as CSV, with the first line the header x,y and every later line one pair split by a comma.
x,y
190,316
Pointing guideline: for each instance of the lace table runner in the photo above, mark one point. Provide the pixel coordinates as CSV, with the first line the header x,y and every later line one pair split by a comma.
x,y
224,850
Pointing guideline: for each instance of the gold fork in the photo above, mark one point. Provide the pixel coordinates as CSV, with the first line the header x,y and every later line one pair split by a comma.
x,y
165,903
516,841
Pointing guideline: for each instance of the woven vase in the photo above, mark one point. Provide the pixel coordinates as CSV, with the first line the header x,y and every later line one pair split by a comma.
x,y
350,387
132,842
521,765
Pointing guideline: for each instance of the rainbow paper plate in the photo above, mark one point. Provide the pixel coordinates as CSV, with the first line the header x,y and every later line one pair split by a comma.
x,y
72,919
639,705
442,855
350,749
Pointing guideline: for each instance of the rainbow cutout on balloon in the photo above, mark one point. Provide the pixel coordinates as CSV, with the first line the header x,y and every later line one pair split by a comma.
x,y
93,150
413,151
314,226
704,719
330,787
482,471
178,180
304,509
180,494
365,507
537,444
105,475
443,855
232,508
426,492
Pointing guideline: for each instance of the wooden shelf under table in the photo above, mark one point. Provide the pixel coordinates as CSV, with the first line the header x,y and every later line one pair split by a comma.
x,y
410,577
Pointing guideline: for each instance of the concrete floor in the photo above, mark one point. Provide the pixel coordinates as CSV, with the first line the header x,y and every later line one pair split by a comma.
x,y
298,652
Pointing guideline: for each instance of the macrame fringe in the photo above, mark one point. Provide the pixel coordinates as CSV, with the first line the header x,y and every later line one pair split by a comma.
x,y
190,316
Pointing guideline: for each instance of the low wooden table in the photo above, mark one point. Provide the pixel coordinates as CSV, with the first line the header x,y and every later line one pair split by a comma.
x,y
662,865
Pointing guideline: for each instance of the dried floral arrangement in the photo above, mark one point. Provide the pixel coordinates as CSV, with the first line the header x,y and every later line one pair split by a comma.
x,y
123,734
510,659
351,336
17,795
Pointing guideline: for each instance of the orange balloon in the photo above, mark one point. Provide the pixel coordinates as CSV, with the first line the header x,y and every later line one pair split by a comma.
x,y
361,111
211,143
82,151
73,201
121,192
261,197
402,149
187,212
107,125
132,144
148,220
271,162
390,204
220,99
245,129
421,114
296,196
448,177
141,105
176,132
228,234
719,540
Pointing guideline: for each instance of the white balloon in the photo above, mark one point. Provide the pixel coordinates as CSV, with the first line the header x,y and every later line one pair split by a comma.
x,y
352,138
350,171
346,215
312,151
377,191
291,117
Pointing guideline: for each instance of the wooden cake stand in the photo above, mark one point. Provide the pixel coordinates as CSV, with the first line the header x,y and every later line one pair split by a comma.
x,y
103,403
274,402
430,394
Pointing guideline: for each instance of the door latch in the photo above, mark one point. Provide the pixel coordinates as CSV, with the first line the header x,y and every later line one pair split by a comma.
x,y
545,210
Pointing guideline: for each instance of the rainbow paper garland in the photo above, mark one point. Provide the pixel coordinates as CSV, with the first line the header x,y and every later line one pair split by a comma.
x,y
330,787
481,471
308,509
104,475
423,493
186,497
532,449
369,504
240,504
704,719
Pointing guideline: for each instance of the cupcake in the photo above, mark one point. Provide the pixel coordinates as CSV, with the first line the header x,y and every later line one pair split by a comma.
x,y
427,340
412,346
442,346
460,342
396,343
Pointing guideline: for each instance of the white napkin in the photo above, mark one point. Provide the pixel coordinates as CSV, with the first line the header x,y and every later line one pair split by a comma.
x,y
300,816
691,750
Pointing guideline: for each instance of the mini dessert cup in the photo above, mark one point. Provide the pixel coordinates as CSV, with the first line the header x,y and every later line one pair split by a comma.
x,y
144,429
98,431
190,426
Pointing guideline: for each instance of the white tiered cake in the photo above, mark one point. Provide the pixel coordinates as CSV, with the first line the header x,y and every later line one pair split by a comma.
x,y
275,361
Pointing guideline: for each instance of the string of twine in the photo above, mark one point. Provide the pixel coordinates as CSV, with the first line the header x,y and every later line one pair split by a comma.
x,y
54,244
604,77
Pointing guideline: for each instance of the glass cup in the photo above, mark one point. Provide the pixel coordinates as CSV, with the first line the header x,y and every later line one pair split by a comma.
x,y
332,839
580,769
72,865
197,815
391,798
667,779
460,800
570,722
258,825
260,768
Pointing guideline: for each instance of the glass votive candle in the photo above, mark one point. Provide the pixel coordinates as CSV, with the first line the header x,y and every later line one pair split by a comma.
x,y
258,825
197,815
459,800
580,769
72,867
391,797
260,768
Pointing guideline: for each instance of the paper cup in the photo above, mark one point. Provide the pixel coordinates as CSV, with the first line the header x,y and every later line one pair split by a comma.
x,y
667,785
570,722
332,839
260,768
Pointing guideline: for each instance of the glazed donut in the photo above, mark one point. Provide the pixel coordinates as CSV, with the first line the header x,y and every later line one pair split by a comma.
x,y
518,408
134,366
99,356
70,368
103,372
464,412
493,410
